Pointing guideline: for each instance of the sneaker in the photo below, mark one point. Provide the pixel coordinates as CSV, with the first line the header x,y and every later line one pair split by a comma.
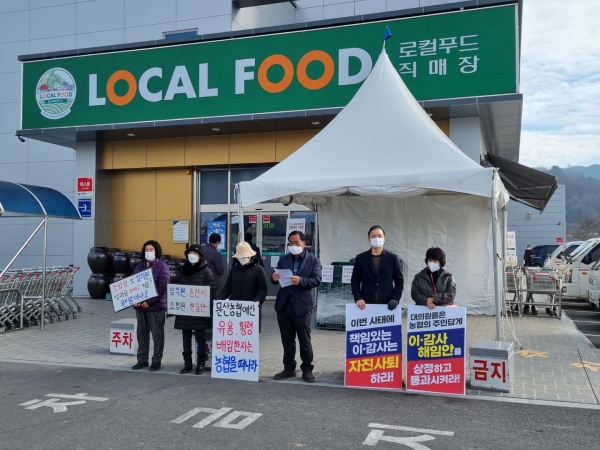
x,y
285,373
140,365
154,367
308,376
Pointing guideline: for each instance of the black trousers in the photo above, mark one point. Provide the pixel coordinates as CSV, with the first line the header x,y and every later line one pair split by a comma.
x,y
290,326
200,341
150,322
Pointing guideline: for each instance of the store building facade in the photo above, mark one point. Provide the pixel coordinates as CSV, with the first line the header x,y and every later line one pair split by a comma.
x,y
165,128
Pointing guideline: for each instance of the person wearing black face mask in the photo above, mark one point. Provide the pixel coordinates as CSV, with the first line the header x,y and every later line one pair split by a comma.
x,y
434,286
195,272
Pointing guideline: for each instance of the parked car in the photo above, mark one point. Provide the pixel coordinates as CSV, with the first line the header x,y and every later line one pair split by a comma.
x,y
575,273
542,252
556,259
593,286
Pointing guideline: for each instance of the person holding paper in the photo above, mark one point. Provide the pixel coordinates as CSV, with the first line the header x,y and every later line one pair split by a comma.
x,y
434,286
377,277
195,272
294,304
246,279
150,313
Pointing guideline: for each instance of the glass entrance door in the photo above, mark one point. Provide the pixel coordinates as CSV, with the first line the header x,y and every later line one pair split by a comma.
x,y
268,233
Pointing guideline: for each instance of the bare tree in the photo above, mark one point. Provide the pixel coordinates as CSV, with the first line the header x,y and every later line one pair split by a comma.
x,y
587,228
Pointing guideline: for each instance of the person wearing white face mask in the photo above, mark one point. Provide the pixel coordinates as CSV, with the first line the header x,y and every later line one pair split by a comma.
x,y
377,277
434,286
195,272
246,280
150,314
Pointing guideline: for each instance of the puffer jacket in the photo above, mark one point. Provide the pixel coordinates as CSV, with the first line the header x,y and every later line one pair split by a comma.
x,y
422,288
161,275
247,282
196,275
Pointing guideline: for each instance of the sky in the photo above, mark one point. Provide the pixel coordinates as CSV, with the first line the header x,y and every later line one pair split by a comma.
x,y
560,82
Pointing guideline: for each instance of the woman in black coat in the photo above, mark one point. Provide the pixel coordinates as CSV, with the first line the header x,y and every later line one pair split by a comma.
x,y
247,279
195,272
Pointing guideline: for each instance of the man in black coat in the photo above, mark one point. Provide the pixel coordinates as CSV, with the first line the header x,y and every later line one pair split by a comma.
x,y
294,306
376,277
215,261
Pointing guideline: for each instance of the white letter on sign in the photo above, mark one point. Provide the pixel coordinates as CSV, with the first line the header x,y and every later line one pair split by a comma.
x,y
143,86
241,76
204,90
366,64
94,100
180,74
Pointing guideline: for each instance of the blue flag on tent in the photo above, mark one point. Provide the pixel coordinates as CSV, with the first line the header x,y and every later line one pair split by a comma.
x,y
387,34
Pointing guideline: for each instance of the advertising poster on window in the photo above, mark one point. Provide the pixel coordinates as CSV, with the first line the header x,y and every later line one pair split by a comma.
x,y
435,359
219,227
373,347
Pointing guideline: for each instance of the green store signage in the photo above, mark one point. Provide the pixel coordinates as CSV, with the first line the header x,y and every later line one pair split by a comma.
x,y
451,55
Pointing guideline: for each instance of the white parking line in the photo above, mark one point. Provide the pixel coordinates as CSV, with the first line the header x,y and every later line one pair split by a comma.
x,y
586,321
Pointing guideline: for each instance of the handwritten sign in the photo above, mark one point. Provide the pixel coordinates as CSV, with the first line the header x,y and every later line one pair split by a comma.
x,y
184,300
132,290
511,240
373,347
436,346
235,340
347,274
327,274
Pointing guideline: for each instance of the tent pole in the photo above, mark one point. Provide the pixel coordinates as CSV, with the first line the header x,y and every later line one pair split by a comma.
x,y
44,271
240,214
496,262
22,248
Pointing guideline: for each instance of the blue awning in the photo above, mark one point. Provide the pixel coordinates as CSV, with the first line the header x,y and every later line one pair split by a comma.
x,y
27,200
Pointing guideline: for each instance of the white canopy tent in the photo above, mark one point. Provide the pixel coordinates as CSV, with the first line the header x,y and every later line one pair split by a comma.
x,y
383,160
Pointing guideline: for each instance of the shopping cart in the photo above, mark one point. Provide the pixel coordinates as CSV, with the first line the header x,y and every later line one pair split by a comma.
x,y
514,286
546,282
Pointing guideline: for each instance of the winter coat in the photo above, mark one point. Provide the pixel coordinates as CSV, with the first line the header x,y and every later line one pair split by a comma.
x,y
387,283
302,294
247,282
198,274
162,276
422,288
215,262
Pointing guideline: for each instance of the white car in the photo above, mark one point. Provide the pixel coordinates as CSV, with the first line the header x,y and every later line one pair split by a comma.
x,y
577,268
594,291
556,259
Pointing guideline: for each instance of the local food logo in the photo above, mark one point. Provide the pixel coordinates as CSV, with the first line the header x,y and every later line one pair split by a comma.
x,y
55,93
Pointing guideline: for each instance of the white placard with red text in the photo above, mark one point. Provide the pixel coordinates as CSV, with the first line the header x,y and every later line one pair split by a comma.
x,y
347,274
185,300
235,340
327,273
490,373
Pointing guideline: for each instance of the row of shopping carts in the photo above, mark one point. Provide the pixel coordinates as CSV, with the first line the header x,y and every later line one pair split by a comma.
x,y
523,283
26,286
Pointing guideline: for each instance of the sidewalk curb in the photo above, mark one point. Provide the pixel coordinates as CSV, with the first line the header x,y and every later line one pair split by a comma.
x,y
580,340
326,385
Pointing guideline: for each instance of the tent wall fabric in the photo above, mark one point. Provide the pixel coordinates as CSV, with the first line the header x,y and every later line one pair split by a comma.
x,y
459,224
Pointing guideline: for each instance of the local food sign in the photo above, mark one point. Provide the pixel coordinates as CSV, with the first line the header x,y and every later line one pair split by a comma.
x,y
451,55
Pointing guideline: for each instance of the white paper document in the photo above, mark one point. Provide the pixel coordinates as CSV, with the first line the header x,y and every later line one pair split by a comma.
x,y
285,277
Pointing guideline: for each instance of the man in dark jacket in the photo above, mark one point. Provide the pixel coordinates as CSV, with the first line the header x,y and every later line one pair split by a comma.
x,y
246,280
376,277
528,257
258,257
294,306
215,261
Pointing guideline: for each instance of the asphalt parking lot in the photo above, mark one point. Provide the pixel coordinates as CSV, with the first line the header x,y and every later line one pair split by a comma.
x,y
586,318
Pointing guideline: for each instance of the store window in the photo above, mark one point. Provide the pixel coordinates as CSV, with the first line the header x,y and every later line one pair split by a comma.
x,y
213,187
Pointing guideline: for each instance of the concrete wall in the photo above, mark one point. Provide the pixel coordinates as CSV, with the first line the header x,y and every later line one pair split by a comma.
x,y
466,133
536,229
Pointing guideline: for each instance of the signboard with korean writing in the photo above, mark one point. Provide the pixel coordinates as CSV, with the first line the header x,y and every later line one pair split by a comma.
x,y
235,340
347,274
123,342
84,205
181,231
511,240
439,56
185,300
327,273
132,290
435,359
85,186
490,373
373,347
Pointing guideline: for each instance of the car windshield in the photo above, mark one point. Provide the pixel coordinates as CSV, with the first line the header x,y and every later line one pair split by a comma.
x,y
557,252
571,249
583,249
567,249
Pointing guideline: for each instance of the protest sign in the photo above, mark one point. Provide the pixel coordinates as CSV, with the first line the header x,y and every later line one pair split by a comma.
x,y
184,300
435,360
373,347
327,273
131,290
347,274
235,340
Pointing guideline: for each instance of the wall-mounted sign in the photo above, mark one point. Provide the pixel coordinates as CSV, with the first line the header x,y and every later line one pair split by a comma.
x,y
439,56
